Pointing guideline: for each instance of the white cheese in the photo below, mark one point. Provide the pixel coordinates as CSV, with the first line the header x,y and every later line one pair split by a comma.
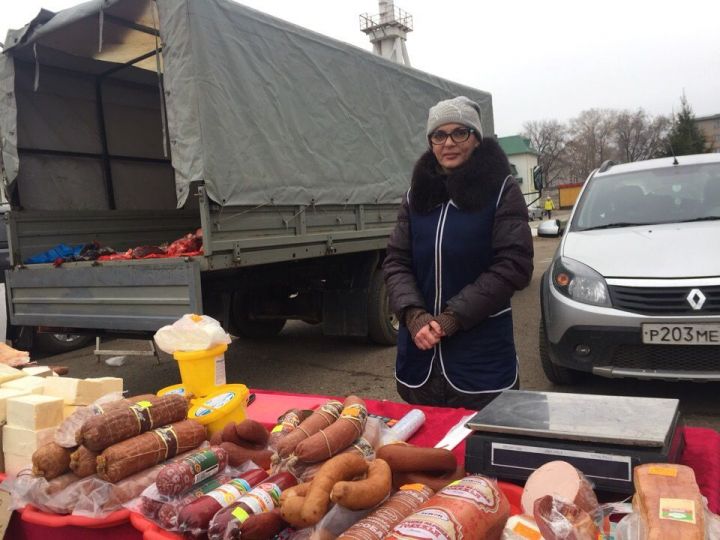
x,y
62,387
34,411
15,464
70,409
89,390
5,394
24,442
38,371
34,385
8,373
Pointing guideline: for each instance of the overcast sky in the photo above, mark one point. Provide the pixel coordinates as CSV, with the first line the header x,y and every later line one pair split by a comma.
x,y
547,59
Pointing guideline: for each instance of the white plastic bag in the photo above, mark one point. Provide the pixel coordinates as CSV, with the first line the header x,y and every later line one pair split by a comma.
x,y
191,333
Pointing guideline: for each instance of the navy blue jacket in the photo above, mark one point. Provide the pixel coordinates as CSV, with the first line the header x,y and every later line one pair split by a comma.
x,y
461,242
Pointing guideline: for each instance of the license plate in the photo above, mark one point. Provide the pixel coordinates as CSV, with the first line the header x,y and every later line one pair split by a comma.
x,y
681,334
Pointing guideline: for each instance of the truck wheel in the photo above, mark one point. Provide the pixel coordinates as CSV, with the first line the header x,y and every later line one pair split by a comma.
x,y
383,325
61,343
554,373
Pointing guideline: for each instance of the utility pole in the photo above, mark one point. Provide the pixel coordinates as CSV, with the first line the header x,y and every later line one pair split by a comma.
x,y
388,31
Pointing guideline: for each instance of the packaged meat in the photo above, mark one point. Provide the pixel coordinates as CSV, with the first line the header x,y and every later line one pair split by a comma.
x,y
521,527
321,418
265,497
143,451
51,460
286,423
383,519
669,502
193,519
180,476
473,508
167,514
561,480
100,432
558,519
83,462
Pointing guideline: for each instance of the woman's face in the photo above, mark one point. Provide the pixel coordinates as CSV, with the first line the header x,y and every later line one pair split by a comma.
x,y
451,154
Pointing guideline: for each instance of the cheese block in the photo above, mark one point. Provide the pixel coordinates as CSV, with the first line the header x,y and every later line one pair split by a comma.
x,y
669,502
15,464
24,442
8,373
5,394
89,390
34,411
34,385
62,387
38,371
68,410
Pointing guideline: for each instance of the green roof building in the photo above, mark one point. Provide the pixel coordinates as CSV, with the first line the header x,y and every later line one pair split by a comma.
x,y
523,159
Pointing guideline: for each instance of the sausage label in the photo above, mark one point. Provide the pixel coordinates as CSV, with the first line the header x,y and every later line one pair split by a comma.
x,y
169,439
228,493
429,524
477,490
204,464
263,498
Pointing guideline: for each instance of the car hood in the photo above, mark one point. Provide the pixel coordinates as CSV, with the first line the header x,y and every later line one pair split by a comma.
x,y
673,250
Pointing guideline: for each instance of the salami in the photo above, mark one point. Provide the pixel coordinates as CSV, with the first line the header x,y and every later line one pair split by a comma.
x,y
175,478
286,423
194,518
228,522
143,451
562,480
472,509
376,525
319,419
83,462
100,432
167,514
51,460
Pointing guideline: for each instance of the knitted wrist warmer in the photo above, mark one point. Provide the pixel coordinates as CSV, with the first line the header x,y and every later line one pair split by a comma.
x,y
415,319
448,322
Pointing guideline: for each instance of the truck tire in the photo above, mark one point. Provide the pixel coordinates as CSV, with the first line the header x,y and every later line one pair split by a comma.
x,y
61,343
554,373
383,325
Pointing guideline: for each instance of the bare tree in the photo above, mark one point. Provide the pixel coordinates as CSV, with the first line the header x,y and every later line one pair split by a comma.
x,y
638,136
590,142
548,137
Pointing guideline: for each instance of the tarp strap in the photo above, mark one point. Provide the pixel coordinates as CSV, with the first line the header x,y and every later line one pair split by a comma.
x,y
101,25
163,117
36,84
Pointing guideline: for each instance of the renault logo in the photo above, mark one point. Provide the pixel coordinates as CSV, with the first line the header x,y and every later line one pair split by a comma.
x,y
696,299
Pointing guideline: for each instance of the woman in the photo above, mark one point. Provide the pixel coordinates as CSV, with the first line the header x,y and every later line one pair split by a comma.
x,y
461,248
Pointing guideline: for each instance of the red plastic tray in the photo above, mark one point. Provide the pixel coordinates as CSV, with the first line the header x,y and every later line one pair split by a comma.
x,y
266,408
38,517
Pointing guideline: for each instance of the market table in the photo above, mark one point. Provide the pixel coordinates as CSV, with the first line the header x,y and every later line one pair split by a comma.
x,y
702,453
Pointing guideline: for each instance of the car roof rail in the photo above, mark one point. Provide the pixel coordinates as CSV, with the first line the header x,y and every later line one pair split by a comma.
x,y
606,165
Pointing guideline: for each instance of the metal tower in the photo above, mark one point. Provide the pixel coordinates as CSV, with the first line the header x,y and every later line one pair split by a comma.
x,y
388,31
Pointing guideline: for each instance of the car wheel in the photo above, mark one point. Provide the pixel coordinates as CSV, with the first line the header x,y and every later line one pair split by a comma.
x,y
61,343
554,373
383,325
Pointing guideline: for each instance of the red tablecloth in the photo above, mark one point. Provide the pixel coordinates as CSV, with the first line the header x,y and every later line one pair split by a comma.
x,y
702,453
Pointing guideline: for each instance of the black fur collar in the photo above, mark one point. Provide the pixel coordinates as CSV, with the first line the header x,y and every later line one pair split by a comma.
x,y
470,187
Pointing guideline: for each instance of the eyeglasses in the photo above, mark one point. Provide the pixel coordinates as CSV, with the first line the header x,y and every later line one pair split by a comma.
x,y
458,135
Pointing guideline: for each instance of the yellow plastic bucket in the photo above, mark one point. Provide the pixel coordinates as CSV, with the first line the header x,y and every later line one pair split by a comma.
x,y
176,389
226,404
202,372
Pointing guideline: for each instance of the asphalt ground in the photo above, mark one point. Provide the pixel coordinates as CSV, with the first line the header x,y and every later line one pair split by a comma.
x,y
302,360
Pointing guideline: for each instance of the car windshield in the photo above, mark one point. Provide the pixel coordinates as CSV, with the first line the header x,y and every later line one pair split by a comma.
x,y
680,193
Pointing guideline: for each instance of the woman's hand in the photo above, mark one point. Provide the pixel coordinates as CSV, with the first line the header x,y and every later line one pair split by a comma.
x,y
428,336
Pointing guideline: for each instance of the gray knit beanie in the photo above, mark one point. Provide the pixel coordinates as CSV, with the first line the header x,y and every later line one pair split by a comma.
x,y
458,110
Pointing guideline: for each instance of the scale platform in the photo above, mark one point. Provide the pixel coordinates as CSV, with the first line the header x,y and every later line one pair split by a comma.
x,y
603,436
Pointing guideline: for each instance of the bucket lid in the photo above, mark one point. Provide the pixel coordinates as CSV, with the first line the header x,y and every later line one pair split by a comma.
x,y
174,389
223,401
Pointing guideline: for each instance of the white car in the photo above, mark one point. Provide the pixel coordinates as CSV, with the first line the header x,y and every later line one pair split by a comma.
x,y
634,287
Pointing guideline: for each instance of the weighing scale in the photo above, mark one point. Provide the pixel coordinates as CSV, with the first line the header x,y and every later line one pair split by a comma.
x,y
605,437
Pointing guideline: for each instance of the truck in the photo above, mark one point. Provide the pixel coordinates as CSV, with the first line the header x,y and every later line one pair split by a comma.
x,y
135,122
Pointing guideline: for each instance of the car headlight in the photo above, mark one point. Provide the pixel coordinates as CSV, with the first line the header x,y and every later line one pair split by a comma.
x,y
579,282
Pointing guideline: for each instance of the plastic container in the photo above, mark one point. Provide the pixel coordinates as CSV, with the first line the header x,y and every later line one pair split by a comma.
x,y
202,372
175,389
226,404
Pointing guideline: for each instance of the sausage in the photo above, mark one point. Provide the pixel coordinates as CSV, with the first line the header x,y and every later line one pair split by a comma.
x,y
436,481
237,455
337,436
167,514
561,479
365,493
561,520
259,526
378,523
195,517
175,478
319,419
263,498
150,507
252,432
473,508
286,423
51,460
83,462
407,458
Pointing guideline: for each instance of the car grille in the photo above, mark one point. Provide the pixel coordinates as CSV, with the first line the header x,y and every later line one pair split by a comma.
x,y
664,300
667,357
